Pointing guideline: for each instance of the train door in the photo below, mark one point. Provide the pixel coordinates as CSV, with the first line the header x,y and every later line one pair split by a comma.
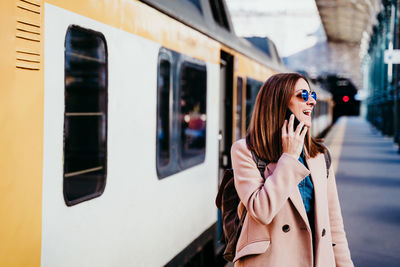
x,y
225,125
226,111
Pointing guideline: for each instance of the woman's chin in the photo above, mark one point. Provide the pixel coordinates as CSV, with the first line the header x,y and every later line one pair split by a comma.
x,y
307,122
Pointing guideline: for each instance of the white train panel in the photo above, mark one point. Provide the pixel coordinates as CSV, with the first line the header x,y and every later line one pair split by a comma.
x,y
138,214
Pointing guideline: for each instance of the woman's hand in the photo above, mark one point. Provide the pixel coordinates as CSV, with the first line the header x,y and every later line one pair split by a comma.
x,y
293,141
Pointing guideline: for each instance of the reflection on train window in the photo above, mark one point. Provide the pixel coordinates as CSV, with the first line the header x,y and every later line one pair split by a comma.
x,y
239,98
163,113
193,117
252,88
85,119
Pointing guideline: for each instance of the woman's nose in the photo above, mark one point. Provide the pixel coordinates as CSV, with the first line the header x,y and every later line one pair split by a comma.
x,y
311,101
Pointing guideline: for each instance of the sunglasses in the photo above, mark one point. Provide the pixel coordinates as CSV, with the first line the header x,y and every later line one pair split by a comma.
x,y
305,95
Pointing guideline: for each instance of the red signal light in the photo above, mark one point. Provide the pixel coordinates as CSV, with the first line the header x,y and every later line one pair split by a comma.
x,y
346,99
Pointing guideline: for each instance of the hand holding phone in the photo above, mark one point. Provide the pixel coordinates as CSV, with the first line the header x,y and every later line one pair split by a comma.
x,y
292,144
296,121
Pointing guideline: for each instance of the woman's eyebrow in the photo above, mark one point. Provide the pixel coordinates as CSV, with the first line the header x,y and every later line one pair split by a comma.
x,y
299,90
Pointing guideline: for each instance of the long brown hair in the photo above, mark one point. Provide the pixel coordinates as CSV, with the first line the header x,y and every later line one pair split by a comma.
x,y
264,135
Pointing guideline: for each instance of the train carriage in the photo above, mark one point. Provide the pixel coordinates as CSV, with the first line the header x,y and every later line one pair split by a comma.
x,y
117,119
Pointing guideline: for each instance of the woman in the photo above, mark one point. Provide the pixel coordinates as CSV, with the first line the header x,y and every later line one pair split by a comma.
x,y
293,216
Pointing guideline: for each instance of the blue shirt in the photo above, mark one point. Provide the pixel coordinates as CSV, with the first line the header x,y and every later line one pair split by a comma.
x,y
306,189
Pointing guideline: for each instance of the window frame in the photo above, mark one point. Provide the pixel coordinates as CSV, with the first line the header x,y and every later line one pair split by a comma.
x,y
176,163
168,169
99,189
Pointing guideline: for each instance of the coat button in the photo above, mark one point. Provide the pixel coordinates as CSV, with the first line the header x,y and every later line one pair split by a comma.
x,y
286,228
323,232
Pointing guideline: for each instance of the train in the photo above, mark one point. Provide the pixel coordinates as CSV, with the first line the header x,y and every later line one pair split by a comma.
x,y
117,119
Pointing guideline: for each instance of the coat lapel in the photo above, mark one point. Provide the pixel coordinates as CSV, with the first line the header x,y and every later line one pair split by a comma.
x,y
317,173
297,201
315,165
295,198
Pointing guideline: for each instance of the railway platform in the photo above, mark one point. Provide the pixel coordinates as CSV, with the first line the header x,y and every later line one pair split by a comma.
x,y
368,178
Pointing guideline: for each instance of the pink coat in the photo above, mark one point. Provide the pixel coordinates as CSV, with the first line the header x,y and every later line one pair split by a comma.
x,y
276,231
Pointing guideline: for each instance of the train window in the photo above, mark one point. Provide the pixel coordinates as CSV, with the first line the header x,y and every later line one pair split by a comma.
x,y
252,88
193,115
239,98
219,14
262,43
85,117
163,112
277,57
181,112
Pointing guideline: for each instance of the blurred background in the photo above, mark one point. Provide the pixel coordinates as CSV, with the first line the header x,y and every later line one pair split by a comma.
x,y
336,43
348,48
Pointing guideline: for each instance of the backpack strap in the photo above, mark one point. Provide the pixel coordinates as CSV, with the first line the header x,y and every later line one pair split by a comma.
x,y
261,165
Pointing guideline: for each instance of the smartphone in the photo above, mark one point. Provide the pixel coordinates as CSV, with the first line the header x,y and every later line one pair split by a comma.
x,y
296,121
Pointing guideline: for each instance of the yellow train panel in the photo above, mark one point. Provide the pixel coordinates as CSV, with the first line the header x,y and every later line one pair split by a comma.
x,y
21,133
252,69
140,19
249,68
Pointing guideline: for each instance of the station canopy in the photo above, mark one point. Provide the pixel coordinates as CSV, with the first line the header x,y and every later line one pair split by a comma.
x,y
349,21
348,25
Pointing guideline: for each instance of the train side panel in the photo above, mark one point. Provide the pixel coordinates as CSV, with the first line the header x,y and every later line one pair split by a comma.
x,y
138,215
